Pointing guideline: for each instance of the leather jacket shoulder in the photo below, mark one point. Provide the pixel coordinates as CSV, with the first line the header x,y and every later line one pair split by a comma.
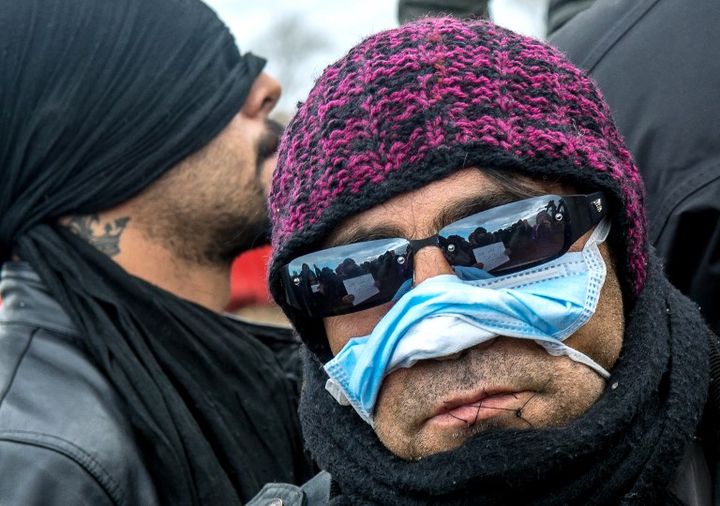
x,y
315,492
64,436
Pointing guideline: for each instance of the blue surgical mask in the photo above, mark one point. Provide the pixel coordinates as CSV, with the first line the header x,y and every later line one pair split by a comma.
x,y
446,314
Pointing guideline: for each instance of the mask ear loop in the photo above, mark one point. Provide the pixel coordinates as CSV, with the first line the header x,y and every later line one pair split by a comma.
x,y
600,234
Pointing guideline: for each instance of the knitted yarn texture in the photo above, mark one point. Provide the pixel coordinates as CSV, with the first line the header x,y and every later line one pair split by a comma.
x,y
411,105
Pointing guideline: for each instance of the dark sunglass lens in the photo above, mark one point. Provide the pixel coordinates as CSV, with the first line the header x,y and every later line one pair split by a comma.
x,y
506,238
348,278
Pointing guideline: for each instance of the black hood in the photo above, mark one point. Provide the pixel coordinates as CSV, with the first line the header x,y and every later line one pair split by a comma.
x,y
656,62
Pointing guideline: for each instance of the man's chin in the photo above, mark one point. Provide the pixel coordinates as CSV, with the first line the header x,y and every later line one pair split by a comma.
x,y
449,427
442,437
433,440
231,243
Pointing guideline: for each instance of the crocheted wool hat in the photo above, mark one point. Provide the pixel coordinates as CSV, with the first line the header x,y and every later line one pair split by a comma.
x,y
411,105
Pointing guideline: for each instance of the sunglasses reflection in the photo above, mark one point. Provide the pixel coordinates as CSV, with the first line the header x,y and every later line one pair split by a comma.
x,y
367,277
350,284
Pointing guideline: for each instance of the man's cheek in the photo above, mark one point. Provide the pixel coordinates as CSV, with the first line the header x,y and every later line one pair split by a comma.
x,y
393,399
340,329
392,420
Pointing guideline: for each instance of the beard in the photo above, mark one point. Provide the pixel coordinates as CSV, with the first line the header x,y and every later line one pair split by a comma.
x,y
267,145
235,234
231,234
212,207
551,391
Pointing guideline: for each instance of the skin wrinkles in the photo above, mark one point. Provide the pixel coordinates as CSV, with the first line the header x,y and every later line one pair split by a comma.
x,y
550,390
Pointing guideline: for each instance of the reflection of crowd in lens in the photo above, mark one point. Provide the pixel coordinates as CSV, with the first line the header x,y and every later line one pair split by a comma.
x,y
325,289
523,242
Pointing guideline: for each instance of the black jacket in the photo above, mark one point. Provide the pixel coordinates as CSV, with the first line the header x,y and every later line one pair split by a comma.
x,y
656,62
64,436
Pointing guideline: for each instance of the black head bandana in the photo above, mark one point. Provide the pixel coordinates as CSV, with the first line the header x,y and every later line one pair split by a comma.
x,y
624,450
98,98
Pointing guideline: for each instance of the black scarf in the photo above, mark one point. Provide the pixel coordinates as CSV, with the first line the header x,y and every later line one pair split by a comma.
x,y
98,98
625,449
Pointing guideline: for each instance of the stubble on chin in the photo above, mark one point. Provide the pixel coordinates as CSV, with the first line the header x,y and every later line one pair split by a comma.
x,y
232,234
553,392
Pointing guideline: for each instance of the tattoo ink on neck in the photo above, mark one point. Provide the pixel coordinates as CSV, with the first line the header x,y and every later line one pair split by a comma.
x,y
105,237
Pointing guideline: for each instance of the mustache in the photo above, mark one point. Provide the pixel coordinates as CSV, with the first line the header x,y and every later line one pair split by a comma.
x,y
268,143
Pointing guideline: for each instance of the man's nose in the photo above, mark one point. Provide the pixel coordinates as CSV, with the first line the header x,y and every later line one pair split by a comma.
x,y
429,262
264,94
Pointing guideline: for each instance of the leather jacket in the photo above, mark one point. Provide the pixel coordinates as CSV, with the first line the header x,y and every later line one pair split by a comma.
x,y
64,437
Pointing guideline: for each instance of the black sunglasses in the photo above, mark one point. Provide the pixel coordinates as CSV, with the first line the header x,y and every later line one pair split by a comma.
x,y
494,242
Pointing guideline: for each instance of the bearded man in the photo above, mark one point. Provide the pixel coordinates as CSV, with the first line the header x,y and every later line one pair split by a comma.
x,y
135,139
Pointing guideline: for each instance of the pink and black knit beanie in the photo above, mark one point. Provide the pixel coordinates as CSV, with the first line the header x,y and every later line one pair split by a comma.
x,y
411,105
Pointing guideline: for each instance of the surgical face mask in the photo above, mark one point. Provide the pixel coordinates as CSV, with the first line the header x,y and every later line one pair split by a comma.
x,y
450,313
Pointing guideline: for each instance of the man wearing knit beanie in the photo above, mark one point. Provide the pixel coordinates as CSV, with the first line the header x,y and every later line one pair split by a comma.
x,y
459,239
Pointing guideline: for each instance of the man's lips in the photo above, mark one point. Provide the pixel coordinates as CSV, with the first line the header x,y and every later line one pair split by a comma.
x,y
467,410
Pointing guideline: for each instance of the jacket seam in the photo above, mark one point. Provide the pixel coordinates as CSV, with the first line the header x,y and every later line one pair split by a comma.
x,y
64,331
17,366
678,197
71,451
615,33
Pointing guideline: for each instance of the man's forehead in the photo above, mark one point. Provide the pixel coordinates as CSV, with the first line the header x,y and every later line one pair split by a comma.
x,y
420,212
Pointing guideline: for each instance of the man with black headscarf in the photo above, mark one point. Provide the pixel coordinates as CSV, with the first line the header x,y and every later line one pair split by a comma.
x,y
134,144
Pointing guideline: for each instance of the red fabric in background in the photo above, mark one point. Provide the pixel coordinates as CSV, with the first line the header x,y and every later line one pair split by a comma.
x,y
248,279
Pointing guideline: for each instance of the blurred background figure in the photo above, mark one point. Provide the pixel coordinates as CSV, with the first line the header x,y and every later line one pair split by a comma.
x,y
562,11
409,10
656,61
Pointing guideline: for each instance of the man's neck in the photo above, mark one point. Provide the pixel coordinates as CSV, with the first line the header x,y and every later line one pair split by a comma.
x,y
208,286
118,236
